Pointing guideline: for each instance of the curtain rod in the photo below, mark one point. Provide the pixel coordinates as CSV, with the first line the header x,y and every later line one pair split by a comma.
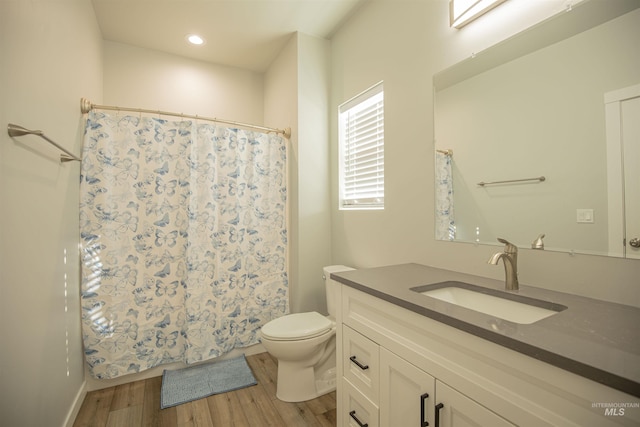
x,y
86,106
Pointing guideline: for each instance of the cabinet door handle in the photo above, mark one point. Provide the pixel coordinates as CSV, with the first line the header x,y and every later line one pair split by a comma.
x,y
352,414
360,365
438,407
423,421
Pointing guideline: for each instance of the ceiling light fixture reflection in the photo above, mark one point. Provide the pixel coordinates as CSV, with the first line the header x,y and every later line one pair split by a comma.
x,y
461,12
195,39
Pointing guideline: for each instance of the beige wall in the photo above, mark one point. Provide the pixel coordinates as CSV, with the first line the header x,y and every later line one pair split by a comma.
x,y
144,78
297,93
314,215
51,57
407,42
280,110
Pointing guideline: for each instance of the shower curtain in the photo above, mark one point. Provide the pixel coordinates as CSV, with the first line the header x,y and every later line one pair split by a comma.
x,y
183,238
445,224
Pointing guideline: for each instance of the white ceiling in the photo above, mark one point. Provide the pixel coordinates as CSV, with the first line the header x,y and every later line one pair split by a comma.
x,y
247,34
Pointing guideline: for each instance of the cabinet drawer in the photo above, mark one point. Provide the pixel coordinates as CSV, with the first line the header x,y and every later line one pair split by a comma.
x,y
361,363
358,411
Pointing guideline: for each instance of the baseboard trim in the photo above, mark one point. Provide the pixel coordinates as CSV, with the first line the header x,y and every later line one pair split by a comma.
x,y
77,404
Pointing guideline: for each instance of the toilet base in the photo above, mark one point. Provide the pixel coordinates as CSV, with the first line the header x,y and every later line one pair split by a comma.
x,y
327,382
298,385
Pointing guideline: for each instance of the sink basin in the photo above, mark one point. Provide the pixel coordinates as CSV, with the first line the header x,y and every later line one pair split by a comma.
x,y
512,307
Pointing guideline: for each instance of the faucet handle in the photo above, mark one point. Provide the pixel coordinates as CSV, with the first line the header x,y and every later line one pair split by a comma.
x,y
508,246
538,243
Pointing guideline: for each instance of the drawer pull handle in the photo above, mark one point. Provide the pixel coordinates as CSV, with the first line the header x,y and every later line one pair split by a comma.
x,y
438,407
352,414
360,365
423,421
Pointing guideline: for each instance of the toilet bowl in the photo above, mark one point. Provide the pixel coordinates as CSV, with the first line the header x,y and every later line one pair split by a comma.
x,y
305,346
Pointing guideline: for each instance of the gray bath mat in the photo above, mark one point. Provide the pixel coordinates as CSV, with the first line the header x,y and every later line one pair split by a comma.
x,y
196,382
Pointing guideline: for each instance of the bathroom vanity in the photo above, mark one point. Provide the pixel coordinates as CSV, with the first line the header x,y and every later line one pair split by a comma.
x,y
408,359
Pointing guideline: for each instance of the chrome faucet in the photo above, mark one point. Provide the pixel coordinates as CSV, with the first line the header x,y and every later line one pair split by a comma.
x,y
510,259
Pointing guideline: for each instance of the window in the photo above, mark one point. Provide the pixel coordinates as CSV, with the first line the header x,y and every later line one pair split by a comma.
x,y
361,144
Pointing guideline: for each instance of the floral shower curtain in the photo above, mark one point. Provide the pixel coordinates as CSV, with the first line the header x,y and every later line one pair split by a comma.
x,y
183,238
445,224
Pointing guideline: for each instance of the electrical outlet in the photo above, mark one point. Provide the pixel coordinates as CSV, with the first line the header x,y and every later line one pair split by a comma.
x,y
584,216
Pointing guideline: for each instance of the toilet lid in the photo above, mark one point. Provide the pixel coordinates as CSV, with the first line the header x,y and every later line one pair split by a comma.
x,y
297,326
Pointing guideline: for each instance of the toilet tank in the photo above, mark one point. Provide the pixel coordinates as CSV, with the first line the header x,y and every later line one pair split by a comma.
x,y
332,286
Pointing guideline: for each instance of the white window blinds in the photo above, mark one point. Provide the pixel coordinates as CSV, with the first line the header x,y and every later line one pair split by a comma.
x,y
362,150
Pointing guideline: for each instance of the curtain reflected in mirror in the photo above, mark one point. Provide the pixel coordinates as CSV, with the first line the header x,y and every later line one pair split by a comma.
x,y
445,218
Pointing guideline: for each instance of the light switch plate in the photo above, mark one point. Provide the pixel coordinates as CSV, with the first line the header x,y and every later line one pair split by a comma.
x,y
584,216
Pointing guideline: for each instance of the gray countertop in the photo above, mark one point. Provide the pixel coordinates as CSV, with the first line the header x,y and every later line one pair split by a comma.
x,y
595,339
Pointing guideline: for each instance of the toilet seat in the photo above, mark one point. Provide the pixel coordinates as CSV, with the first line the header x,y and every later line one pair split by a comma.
x,y
297,326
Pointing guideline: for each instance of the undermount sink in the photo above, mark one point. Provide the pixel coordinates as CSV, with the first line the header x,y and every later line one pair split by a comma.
x,y
512,307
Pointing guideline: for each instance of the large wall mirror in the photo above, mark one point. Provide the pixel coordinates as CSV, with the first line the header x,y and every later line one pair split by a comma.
x,y
531,111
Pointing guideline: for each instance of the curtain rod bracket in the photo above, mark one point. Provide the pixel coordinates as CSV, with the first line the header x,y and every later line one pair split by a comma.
x,y
85,105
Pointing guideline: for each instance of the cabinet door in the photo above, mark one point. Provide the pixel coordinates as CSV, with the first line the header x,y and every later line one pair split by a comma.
x,y
459,411
406,393
358,411
360,363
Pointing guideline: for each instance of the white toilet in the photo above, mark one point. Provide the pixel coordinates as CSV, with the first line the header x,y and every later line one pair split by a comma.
x,y
305,346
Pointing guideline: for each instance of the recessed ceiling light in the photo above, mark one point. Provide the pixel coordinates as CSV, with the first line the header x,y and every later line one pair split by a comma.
x,y
195,39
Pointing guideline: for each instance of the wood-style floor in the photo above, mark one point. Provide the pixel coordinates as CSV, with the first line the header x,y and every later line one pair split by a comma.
x,y
138,404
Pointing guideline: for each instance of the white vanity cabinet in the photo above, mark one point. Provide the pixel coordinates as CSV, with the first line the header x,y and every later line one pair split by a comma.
x,y
395,367
382,389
